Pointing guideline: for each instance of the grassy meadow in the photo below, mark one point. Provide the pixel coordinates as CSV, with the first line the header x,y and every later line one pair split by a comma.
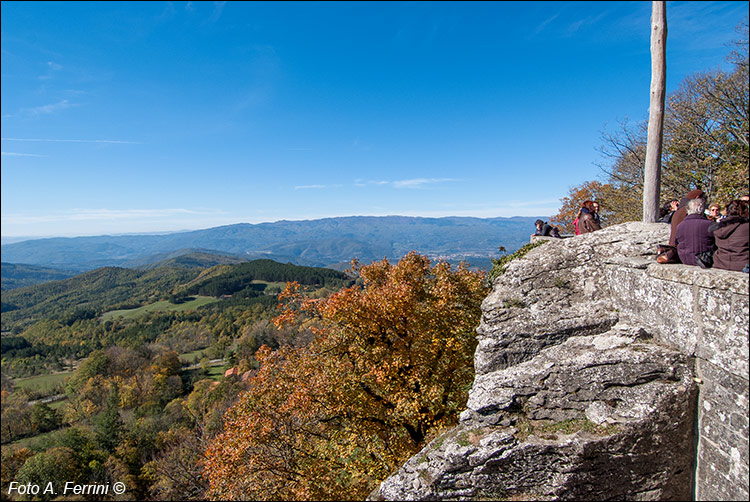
x,y
160,306
43,383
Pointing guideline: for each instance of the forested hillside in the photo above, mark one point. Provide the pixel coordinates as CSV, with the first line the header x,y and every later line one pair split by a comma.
x,y
45,324
227,280
89,294
141,392
187,258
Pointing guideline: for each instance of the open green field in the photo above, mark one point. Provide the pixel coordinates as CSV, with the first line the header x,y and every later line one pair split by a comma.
x,y
212,373
40,441
192,357
160,306
271,287
42,383
56,405
216,372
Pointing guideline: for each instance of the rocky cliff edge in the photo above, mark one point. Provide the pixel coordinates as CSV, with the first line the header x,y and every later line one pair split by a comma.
x,y
571,399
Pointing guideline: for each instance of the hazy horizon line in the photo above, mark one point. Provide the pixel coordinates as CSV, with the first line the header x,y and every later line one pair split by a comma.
x,y
21,238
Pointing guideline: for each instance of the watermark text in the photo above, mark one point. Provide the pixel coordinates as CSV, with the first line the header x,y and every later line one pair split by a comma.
x,y
70,488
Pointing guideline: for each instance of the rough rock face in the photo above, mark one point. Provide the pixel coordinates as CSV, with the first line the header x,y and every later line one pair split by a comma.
x,y
571,400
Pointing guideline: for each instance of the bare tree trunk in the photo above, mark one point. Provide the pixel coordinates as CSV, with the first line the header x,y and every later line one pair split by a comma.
x,y
652,168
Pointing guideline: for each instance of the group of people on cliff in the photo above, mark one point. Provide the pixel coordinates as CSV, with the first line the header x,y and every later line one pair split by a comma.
x,y
586,221
717,237
713,239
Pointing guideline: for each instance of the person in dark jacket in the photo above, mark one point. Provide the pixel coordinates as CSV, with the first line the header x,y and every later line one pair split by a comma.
x,y
692,236
681,212
587,220
668,210
732,236
596,213
575,223
545,229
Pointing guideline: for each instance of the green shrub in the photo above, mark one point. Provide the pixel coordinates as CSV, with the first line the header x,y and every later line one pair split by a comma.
x,y
500,264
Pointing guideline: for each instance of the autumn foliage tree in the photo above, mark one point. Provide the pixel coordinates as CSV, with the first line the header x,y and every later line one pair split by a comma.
x,y
571,204
389,366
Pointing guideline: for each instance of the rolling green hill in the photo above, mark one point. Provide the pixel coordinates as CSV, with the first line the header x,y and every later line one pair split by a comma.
x,y
90,294
186,258
87,294
230,279
48,325
190,303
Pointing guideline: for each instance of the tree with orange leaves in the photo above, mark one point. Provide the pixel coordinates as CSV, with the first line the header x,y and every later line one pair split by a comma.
x,y
571,204
390,365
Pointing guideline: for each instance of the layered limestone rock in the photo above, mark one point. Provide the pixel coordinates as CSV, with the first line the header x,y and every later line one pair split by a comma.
x,y
571,399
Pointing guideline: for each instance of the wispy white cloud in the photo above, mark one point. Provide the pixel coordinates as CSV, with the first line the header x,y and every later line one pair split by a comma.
x,y
103,214
364,183
16,154
51,67
537,208
315,187
51,108
420,182
218,9
308,187
544,24
410,183
215,14
573,28
50,140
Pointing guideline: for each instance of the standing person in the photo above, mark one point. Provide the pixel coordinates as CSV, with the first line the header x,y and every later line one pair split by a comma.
x,y
596,213
587,221
681,212
692,236
732,235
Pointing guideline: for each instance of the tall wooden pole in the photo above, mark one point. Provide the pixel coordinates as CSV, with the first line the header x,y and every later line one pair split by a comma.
x,y
652,169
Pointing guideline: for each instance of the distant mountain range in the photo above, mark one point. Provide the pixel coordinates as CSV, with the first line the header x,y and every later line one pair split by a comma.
x,y
329,242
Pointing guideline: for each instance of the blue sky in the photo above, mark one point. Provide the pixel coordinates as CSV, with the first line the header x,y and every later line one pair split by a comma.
x,y
122,117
